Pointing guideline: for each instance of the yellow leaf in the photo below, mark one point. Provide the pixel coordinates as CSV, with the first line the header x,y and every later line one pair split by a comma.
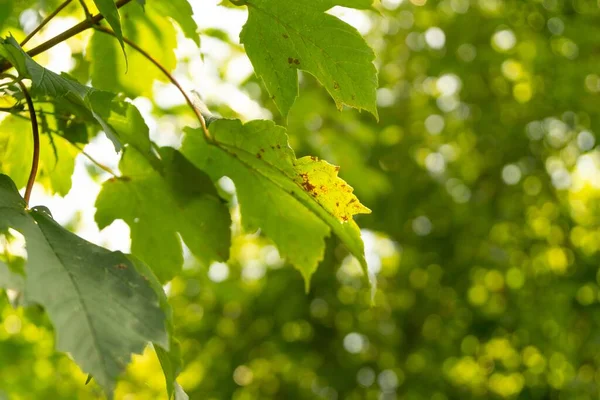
x,y
320,179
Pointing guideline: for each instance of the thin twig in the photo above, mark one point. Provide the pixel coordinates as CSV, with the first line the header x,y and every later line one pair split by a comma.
x,y
9,109
36,143
94,161
45,21
86,10
69,33
171,78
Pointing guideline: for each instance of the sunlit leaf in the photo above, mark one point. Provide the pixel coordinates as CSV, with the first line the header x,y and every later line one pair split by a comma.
x,y
282,37
181,12
136,75
292,201
111,113
110,12
57,156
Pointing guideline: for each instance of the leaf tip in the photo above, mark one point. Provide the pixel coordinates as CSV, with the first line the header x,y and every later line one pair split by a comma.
x,y
306,282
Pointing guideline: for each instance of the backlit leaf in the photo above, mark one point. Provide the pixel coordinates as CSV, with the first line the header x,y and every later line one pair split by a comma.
x,y
110,12
157,207
181,12
281,37
292,201
136,75
120,120
57,156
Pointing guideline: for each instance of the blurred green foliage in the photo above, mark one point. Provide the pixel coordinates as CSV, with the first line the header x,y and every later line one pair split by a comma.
x,y
483,176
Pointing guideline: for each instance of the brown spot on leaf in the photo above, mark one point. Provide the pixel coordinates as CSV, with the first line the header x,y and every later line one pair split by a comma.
x,y
309,187
121,266
345,218
336,85
278,146
337,204
290,60
306,185
258,155
296,61
285,36
262,150
337,169
314,158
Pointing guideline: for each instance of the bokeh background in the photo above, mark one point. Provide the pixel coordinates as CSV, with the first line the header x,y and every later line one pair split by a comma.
x,y
484,180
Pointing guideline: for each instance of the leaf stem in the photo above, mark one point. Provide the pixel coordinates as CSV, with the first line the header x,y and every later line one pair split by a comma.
x,y
45,22
171,78
69,33
36,142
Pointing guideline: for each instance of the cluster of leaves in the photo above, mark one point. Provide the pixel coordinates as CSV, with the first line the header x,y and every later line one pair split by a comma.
x,y
105,306
485,231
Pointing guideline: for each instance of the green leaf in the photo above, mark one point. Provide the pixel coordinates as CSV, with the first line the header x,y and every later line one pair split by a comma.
x,y
181,12
281,37
5,11
159,205
16,149
120,120
170,359
57,156
11,277
110,11
102,309
134,77
294,202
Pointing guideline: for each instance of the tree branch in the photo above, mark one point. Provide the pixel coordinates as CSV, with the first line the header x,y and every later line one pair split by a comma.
x,y
171,78
69,33
44,22
36,142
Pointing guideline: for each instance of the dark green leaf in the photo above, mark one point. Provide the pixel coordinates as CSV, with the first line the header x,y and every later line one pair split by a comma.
x,y
11,277
158,207
102,309
5,11
170,359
